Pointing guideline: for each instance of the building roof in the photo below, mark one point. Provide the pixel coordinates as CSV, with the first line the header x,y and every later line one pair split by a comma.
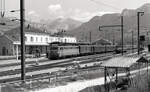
x,y
123,61
62,34
102,42
62,43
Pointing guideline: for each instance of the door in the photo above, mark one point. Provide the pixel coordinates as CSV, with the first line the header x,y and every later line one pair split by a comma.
x,y
4,51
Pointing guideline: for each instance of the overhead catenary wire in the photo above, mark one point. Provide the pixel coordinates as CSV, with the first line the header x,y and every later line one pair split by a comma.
x,y
104,4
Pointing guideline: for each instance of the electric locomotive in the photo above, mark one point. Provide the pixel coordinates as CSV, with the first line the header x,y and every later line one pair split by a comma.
x,y
61,50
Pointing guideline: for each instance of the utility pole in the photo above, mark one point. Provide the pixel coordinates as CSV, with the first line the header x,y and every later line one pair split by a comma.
x,y
82,37
90,37
121,31
132,43
147,38
22,14
113,38
138,26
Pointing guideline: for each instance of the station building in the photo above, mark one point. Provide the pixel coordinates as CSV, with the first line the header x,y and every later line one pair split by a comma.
x,y
34,39
65,38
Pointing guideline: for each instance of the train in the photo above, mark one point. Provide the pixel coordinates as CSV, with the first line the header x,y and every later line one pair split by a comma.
x,y
59,50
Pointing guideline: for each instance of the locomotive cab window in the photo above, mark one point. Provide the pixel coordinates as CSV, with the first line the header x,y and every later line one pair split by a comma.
x,y
61,48
54,48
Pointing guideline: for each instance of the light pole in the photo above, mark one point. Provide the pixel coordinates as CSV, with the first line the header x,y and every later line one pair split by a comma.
x,y
138,26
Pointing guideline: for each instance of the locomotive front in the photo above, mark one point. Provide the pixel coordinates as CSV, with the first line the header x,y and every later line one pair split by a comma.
x,y
52,53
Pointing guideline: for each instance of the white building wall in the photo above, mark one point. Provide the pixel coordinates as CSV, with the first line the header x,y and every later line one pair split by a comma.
x,y
69,39
36,39
44,39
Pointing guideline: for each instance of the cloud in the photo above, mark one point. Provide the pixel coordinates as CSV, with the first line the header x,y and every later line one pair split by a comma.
x,y
33,13
55,7
56,11
33,16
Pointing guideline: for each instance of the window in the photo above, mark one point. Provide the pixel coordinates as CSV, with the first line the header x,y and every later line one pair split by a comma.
x,y
61,48
41,39
54,48
46,39
50,39
36,39
65,40
32,39
25,38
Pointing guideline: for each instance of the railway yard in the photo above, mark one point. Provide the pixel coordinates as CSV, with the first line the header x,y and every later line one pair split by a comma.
x,y
44,73
12,70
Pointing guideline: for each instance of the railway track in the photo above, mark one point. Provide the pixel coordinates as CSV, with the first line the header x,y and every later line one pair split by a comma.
x,y
41,69
14,66
44,68
46,75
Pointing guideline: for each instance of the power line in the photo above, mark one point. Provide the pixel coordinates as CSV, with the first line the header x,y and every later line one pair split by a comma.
x,y
2,8
104,4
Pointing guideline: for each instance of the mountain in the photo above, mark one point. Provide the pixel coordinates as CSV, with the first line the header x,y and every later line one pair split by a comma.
x,y
113,33
7,24
61,23
145,8
83,31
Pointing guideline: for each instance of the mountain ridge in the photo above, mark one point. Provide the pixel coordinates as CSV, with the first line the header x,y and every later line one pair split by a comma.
x,y
130,23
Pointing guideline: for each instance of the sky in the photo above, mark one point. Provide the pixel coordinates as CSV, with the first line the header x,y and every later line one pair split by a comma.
x,y
81,10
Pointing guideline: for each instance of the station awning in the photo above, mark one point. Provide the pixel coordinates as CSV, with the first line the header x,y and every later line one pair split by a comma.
x,y
123,61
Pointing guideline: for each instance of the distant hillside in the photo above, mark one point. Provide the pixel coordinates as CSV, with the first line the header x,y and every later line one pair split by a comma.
x,y
7,24
83,32
61,23
130,23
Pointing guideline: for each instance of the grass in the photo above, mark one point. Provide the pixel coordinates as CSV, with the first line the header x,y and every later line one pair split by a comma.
x,y
141,83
